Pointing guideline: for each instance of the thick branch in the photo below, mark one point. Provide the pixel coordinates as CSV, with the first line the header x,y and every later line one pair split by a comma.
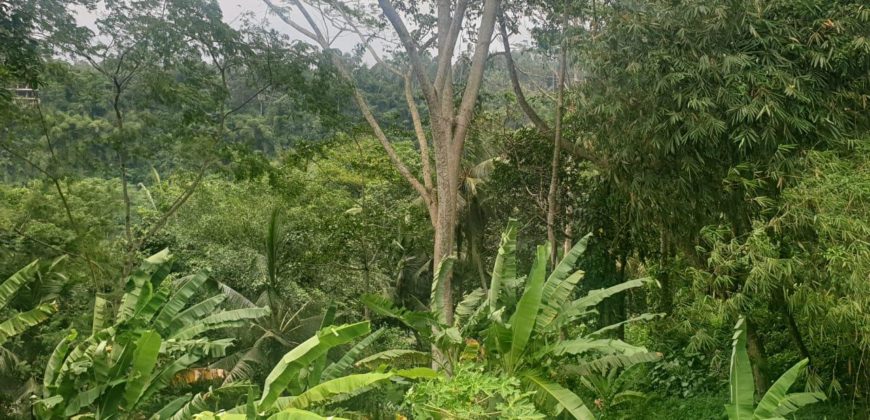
x,y
475,75
515,80
552,195
360,100
421,134
416,63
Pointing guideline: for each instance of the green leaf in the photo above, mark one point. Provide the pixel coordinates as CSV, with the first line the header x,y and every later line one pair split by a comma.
x,y
101,314
345,363
163,378
778,402
560,284
10,287
741,382
523,320
394,357
191,315
144,360
171,408
55,361
297,414
21,321
224,319
468,306
568,400
442,272
594,297
505,267
189,287
318,365
344,385
288,367
601,345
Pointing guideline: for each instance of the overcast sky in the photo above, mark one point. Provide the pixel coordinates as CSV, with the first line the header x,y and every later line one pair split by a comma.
x,y
234,9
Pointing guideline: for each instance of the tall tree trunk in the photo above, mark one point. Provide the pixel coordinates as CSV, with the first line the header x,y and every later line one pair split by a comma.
x,y
553,193
755,350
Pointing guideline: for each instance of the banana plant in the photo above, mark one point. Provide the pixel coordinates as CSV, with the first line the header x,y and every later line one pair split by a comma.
x,y
21,321
525,323
777,402
292,375
158,330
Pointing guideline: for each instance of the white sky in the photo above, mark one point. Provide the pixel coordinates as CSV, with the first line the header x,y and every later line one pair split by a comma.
x,y
233,9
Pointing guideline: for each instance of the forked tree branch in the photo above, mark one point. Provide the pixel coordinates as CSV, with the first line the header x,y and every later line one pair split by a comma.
x,y
421,134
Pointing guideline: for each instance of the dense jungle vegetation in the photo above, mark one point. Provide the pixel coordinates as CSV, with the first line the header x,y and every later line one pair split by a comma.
x,y
445,209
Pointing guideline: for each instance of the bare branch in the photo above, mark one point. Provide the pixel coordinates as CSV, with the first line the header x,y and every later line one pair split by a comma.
x,y
475,75
421,134
416,63
515,80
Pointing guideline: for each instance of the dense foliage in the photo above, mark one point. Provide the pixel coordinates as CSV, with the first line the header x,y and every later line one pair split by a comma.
x,y
354,230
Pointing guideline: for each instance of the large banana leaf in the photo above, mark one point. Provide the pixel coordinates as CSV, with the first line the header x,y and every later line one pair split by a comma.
x,y
143,363
742,386
345,363
594,297
777,402
561,282
339,386
190,285
568,400
55,361
468,307
21,321
224,319
394,357
295,414
191,315
505,267
10,287
101,314
442,272
586,344
163,378
288,367
606,363
523,320
317,367
350,384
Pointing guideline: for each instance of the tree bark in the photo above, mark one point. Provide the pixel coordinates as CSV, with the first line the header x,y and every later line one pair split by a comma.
x,y
755,350
553,193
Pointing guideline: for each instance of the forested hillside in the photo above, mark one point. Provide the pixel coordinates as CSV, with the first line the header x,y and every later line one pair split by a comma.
x,y
446,209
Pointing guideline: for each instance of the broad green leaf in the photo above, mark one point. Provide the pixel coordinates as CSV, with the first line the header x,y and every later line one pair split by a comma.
x,y
442,272
568,400
345,363
191,315
343,385
741,382
561,282
778,402
318,365
171,408
505,267
18,323
163,378
393,358
297,414
10,287
144,360
55,361
600,345
594,297
468,307
179,300
101,314
224,319
523,320
288,367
